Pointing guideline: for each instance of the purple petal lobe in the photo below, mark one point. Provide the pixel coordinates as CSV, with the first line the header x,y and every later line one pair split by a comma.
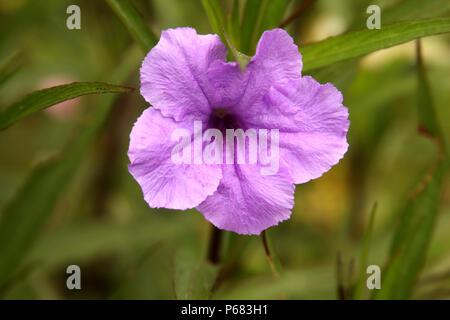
x,y
313,126
175,70
277,53
277,61
247,202
163,182
225,84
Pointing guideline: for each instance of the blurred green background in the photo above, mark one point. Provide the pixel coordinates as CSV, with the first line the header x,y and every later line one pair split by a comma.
x,y
127,250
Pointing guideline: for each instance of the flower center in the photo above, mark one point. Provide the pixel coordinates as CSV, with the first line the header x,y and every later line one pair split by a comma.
x,y
221,119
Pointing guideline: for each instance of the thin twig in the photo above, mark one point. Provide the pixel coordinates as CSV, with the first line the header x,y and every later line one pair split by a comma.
x,y
269,255
215,242
297,12
341,290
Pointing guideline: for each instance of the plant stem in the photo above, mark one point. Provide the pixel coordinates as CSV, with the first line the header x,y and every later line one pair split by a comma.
x,y
215,242
269,255
297,12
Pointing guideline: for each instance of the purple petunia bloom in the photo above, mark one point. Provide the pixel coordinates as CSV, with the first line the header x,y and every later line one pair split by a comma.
x,y
187,79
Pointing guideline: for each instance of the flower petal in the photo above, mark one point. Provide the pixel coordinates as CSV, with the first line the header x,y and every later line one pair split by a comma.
x,y
164,183
175,70
277,61
313,126
226,84
247,202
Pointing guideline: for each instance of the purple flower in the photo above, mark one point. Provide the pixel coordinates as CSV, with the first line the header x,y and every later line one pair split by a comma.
x,y
186,78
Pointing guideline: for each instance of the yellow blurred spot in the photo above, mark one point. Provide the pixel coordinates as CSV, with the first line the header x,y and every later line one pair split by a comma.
x,y
324,202
11,6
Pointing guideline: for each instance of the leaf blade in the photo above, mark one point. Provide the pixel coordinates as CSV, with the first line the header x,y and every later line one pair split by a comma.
x,y
193,279
357,43
364,254
22,221
10,66
413,235
214,13
252,13
45,98
134,22
411,240
427,113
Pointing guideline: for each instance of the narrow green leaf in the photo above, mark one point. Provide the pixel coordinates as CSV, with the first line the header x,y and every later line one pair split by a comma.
x,y
401,10
274,262
413,235
45,98
239,57
316,283
24,217
273,15
270,16
233,25
411,239
358,43
193,278
214,13
251,21
9,66
425,102
364,254
99,238
415,9
134,22
260,15
215,17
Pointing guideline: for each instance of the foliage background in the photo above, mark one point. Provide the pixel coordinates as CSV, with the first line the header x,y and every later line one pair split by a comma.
x,y
92,212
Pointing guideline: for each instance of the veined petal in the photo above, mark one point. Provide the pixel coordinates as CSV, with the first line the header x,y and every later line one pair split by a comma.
x,y
247,202
277,61
163,182
313,126
174,73
225,85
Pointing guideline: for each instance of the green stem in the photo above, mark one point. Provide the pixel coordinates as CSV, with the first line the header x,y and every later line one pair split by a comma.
x,y
215,243
268,251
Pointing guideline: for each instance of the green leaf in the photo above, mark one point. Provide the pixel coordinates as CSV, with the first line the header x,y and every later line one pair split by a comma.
x,y
415,9
273,15
214,13
358,43
413,235
45,98
401,10
316,283
364,254
100,238
274,262
134,22
260,15
411,239
239,57
233,25
251,22
425,102
9,66
193,278
25,216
